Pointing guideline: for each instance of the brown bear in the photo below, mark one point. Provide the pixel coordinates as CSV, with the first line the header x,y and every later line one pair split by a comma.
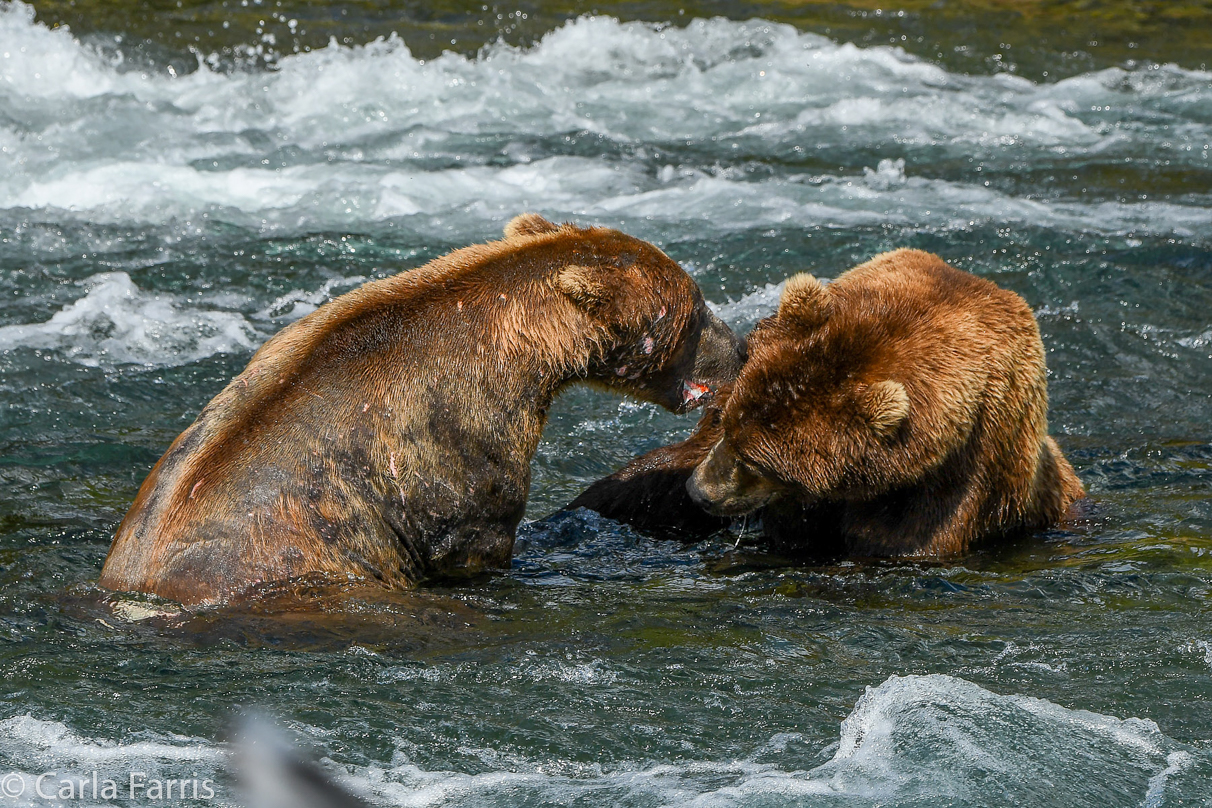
x,y
901,410
388,435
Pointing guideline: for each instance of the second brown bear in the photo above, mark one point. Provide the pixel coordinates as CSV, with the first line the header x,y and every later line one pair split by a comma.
x,y
901,410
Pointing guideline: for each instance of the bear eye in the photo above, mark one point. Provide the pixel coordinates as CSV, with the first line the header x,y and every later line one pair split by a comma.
x,y
747,465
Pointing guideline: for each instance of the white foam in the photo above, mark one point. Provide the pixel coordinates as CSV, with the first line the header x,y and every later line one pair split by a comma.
x,y
1202,648
917,739
90,139
579,188
301,302
117,323
36,749
1176,763
911,740
54,742
744,313
1197,341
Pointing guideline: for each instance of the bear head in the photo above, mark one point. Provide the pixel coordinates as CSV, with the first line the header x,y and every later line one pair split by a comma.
x,y
818,411
654,336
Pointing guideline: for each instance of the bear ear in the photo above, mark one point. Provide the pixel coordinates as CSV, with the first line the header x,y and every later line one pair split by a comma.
x,y
529,224
805,301
886,405
583,285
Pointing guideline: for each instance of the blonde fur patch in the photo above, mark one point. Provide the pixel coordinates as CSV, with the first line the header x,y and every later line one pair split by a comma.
x,y
805,300
582,285
529,224
887,406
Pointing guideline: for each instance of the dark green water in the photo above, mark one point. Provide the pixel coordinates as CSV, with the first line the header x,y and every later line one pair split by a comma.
x,y
155,228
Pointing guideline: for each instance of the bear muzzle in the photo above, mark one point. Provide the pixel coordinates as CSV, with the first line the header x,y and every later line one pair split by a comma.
x,y
723,485
718,358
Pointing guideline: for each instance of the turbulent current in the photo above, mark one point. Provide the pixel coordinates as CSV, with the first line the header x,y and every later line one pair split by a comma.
x,y
157,225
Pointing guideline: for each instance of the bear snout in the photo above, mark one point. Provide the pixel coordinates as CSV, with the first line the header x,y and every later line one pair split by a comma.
x,y
718,358
721,353
697,494
716,496
723,486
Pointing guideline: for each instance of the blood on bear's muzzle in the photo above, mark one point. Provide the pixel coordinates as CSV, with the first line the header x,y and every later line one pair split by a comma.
x,y
693,391
718,359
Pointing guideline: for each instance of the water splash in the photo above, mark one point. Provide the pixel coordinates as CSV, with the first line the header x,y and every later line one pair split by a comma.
x,y
117,323
348,137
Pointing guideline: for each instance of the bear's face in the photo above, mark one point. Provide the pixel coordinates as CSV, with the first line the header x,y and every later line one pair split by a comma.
x,y
659,341
814,413
677,356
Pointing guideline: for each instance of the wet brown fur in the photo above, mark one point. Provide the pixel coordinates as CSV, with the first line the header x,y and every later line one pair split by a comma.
x,y
388,435
900,410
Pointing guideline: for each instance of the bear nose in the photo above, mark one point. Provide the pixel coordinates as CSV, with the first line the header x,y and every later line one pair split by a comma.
x,y
697,496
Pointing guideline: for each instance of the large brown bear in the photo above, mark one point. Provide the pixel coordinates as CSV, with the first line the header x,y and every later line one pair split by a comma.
x,y
388,435
900,410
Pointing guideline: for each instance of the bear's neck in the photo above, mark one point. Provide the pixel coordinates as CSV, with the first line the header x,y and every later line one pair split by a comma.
x,y
499,386
466,420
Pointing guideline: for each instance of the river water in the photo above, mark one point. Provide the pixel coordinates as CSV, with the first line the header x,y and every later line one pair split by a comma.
x,y
162,214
